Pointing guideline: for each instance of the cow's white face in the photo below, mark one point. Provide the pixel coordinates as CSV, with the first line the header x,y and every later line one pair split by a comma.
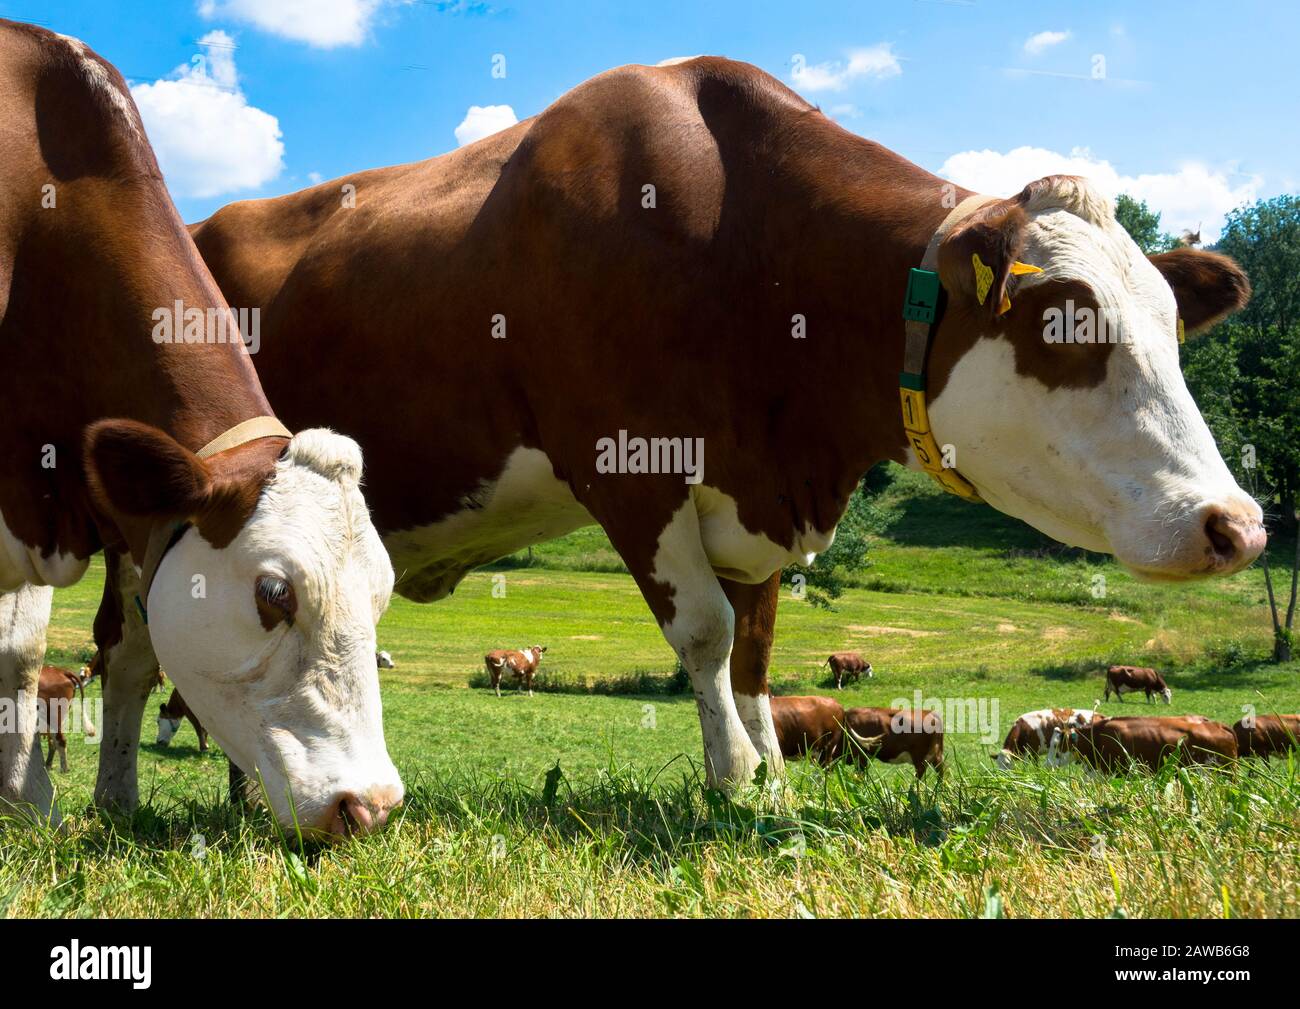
x,y
167,729
271,640
1099,446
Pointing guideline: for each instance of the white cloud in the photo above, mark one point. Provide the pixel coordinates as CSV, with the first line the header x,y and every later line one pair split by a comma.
x,y
482,121
1043,41
322,23
208,139
877,61
1193,194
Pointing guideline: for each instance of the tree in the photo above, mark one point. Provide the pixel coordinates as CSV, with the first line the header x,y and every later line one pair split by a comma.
x,y
1142,224
1245,376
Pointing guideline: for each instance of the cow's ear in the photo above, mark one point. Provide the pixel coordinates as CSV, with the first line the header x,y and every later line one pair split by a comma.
x,y
135,469
1207,286
978,257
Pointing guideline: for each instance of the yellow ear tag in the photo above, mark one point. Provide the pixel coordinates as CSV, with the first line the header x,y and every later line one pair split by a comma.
x,y
1005,307
983,278
1182,331
1019,269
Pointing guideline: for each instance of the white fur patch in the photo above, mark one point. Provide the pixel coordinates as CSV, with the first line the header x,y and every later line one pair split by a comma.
x,y
99,79
23,565
743,556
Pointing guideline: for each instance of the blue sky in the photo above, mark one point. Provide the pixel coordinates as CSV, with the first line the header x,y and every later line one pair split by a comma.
x,y
1192,105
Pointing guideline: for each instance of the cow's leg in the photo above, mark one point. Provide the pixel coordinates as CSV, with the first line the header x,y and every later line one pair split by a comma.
x,y
130,674
677,581
49,755
63,750
201,732
755,610
24,784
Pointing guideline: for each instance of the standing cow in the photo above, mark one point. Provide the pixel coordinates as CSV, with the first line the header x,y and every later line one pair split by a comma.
x,y
1135,678
55,693
122,432
1266,735
692,428
1035,732
896,736
848,664
522,665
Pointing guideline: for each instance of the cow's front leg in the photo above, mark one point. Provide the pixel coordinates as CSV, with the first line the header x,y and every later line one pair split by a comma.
x,y
677,581
130,674
755,610
24,783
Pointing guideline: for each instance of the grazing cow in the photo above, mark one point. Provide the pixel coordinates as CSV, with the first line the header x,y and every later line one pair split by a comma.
x,y
1034,733
809,725
555,274
55,693
1265,735
523,665
170,714
896,735
849,664
134,422
1111,744
1133,679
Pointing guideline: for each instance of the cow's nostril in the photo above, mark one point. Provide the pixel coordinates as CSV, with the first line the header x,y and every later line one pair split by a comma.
x,y
354,815
1218,531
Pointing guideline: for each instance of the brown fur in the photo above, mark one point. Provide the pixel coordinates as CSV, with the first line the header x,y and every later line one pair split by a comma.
x,y
809,725
55,693
846,664
1269,735
175,708
1134,678
523,666
1112,743
898,734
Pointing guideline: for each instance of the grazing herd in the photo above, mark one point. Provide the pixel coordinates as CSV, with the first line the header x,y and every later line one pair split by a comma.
x,y
665,327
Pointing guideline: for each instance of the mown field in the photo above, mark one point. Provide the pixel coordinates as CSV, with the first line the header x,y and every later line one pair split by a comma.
x,y
587,799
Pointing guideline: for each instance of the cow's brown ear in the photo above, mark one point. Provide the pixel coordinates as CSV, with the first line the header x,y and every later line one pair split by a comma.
x,y
1207,286
976,258
136,469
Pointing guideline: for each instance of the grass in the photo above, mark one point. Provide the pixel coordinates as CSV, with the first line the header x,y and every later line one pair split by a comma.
x,y
586,799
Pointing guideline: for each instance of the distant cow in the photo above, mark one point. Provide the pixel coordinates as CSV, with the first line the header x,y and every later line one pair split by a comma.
x,y
384,660
1033,733
849,664
1111,744
896,735
170,715
522,664
809,725
54,699
1133,679
1267,735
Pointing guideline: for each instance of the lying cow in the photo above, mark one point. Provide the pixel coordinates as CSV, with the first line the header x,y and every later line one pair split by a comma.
x,y
523,665
896,735
1112,744
1034,732
54,699
1133,679
1266,735
170,715
849,664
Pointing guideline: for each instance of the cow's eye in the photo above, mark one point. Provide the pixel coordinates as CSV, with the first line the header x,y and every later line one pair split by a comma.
x,y
276,601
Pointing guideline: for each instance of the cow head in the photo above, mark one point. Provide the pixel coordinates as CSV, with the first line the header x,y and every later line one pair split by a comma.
x,y
263,610
167,726
1097,444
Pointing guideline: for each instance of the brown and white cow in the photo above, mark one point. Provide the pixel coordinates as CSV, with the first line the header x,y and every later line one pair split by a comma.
x,y
809,725
1136,678
1035,732
522,665
1266,735
171,713
55,692
264,575
896,736
849,664
576,338
1112,744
